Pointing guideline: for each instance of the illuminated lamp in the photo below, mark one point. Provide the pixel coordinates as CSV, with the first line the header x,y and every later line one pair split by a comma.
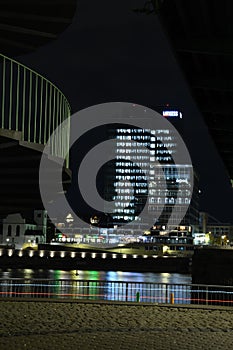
x,y
10,252
31,253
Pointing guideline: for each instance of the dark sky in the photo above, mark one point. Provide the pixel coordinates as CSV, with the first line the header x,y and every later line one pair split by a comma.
x,y
110,53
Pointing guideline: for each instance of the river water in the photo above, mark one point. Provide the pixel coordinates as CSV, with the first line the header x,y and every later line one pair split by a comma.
x,y
97,275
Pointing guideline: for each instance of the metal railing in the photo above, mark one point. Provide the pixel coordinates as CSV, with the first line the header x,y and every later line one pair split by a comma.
x,y
33,105
117,291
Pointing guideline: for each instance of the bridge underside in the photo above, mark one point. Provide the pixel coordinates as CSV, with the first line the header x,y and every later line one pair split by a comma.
x,y
19,175
201,34
26,25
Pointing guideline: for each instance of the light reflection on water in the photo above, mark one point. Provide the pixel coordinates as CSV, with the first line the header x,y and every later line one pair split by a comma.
x,y
98,275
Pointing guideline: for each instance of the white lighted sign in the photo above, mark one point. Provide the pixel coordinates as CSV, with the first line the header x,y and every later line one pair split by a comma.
x,y
172,113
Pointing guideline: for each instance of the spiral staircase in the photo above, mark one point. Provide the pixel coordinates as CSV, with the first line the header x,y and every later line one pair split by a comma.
x,y
31,106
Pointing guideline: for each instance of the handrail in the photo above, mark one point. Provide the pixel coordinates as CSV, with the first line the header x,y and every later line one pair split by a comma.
x,y
112,281
117,291
34,106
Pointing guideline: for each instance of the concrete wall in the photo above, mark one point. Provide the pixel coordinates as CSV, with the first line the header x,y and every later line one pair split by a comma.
x,y
213,266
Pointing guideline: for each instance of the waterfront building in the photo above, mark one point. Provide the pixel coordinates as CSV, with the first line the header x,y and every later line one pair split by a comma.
x,y
133,178
219,232
17,230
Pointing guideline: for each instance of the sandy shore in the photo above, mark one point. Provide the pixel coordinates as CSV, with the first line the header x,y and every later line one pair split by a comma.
x,y
82,325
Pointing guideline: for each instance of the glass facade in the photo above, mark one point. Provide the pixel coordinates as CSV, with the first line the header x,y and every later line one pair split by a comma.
x,y
144,171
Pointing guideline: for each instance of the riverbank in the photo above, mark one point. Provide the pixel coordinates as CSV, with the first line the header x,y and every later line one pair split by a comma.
x,y
99,261
43,325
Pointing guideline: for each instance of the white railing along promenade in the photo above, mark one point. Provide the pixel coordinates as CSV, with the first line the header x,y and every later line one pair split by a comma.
x,y
116,291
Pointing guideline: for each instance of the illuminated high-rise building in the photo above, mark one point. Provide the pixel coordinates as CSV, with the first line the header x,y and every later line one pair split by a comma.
x,y
135,177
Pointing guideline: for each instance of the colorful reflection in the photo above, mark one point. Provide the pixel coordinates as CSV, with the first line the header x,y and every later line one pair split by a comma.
x,y
97,275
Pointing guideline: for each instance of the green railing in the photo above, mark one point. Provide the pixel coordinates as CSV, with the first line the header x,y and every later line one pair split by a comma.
x,y
33,105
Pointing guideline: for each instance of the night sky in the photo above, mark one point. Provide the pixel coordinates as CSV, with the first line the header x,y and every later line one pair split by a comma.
x,y
110,53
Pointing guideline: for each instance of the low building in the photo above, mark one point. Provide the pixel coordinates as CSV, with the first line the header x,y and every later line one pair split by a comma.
x,y
219,232
16,230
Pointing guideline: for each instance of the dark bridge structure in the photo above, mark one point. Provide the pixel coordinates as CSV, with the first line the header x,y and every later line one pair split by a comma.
x,y
26,25
31,107
201,34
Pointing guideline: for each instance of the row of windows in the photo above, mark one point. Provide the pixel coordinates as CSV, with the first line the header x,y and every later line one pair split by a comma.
x,y
181,167
120,217
126,198
154,208
135,184
168,200
117,185
139,164
168,138
146,138
126,190
121,191
165,151
123,137
9,230
162,131
128,171
133,131
132,178
123,165
128,150
160,200
164,159
153,184
126,177
140,191
165,145
124,211
133,138
134,159
133,144
122,204
142,131
166,193
148,141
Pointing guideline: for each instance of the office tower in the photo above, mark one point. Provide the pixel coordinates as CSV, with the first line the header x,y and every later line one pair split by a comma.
x,y
136,176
